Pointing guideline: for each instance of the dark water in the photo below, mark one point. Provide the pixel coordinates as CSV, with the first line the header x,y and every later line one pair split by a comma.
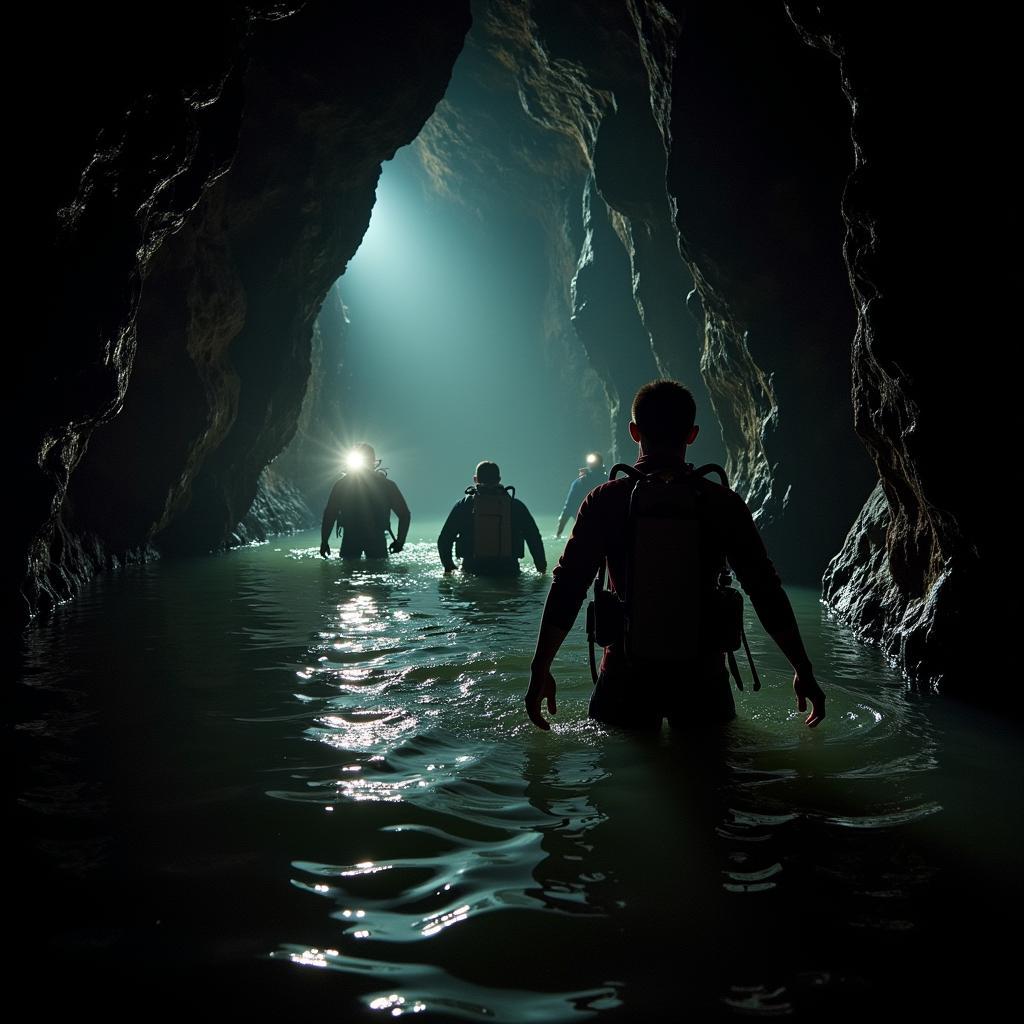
x,y
262,778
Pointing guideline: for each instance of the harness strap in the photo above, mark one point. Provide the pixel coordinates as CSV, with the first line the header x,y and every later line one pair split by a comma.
x,y
632,471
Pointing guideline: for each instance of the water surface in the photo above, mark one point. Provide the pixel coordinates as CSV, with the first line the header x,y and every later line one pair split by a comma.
x,y
287,779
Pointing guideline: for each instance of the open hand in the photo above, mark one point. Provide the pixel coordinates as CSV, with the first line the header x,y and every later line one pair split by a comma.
x,y
542,686
806,688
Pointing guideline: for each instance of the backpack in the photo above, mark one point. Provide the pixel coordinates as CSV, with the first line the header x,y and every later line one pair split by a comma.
x,y
366,508
666,610
492,521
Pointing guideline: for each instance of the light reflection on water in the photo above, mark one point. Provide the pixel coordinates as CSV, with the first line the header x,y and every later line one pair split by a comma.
x,y
294,764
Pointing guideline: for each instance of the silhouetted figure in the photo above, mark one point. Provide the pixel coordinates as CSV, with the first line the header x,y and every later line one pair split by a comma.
x,y
665,534
592,475
361,503
488,528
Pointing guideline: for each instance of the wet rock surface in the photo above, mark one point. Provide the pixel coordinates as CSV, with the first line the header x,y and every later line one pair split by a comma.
x,y
921,570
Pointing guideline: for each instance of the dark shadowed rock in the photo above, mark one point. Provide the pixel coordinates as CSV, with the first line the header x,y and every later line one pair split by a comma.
x,y
921,572
202,209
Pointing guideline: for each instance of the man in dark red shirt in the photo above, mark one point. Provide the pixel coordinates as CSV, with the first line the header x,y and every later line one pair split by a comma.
x,y
628,693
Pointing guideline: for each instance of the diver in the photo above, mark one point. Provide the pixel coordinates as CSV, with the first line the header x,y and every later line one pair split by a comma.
x,y
361,503
668,537
488,528
590,476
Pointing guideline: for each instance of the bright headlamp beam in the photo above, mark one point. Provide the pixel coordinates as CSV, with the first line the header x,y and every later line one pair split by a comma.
x,y
355,459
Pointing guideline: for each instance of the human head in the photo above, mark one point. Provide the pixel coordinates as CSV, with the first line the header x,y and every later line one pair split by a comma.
x,y
360,456
595,460
487,473
663,415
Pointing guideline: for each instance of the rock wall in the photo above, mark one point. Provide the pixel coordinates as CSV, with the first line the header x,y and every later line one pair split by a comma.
x,y
218,175
758,152
921,571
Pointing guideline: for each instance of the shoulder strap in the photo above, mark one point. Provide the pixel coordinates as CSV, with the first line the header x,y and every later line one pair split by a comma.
x,y
629,470
712,467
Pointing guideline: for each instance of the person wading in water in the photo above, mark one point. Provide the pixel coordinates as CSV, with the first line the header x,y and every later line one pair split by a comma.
x,y
668,537
489,527
361,503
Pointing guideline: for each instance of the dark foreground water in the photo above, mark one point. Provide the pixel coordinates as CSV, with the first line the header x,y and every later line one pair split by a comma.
x,y
266,780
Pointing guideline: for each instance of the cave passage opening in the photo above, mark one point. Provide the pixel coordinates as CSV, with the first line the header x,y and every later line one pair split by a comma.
x,y
446,359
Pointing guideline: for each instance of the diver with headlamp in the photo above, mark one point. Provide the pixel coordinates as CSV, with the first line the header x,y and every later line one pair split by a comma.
x,y
361,503
592,475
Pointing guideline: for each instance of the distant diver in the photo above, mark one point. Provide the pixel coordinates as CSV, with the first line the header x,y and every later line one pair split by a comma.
x,y
591,475
669,539
361,504
488,528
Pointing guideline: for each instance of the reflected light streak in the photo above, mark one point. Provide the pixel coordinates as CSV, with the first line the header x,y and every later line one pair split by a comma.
x,y
397,1005
441,921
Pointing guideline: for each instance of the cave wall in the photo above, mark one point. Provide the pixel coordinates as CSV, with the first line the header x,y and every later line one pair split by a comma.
x,y
922,569
758,154
218,175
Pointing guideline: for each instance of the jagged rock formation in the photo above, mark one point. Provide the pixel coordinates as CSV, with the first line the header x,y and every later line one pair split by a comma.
x,y
918,571
278,508
203,209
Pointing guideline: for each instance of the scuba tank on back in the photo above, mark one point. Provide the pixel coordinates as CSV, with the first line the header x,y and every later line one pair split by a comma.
x,y
492,521
663,584
669,609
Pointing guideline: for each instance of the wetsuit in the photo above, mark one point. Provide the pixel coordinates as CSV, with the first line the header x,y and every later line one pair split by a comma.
x,y
361,503
629,692
458,530
578,490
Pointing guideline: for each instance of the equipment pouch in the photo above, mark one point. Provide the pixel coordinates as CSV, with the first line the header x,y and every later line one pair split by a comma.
x,y
727,616
605,619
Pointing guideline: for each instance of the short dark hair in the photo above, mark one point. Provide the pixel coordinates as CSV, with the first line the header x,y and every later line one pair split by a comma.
x,y
664,412
487,473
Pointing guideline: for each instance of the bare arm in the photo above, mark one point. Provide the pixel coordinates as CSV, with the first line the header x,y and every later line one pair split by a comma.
x,y
331,511
531,534
401,509
449,534
575,571
572,503
542,682
748,557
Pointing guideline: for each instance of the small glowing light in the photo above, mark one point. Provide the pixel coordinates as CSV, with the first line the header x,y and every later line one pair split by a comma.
x,y
355,459
593,459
